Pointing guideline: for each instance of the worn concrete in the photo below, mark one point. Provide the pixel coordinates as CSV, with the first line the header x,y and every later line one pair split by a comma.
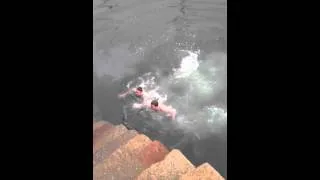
x,y
131,155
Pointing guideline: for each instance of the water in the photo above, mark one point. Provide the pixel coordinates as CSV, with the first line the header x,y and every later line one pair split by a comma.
x,y
177,50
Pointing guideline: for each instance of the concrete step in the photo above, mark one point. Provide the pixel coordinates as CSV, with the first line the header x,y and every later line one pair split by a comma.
x,y
98,124
110,146
99,129
152,153
123,164
205,171
172,167
107,134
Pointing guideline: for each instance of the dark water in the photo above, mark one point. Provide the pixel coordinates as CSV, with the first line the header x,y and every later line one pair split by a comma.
x,y
132,38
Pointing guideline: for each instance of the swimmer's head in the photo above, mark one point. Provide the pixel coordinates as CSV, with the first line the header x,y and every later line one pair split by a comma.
x,y
138,91
154,105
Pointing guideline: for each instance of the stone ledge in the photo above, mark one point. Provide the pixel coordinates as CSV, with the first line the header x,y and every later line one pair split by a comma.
x,y
172,167
205,171
152,153
124,154
106,135
123,163
98,124
109,147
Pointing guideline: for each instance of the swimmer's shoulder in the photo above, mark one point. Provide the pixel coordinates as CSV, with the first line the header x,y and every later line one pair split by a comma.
x,y
163,107
167,108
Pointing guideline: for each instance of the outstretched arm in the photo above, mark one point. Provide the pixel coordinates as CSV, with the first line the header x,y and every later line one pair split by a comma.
x,y
172,114
122,95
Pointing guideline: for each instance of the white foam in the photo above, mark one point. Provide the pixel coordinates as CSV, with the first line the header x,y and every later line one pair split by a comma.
x,y
217,118
201,80
148,83
188,65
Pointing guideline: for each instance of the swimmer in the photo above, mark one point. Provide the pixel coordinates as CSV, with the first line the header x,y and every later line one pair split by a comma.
x,y
158,107
137,91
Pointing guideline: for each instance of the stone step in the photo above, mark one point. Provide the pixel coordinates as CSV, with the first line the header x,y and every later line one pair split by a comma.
x,y
109,147
99,129
122,164
153,153
107,134
98,124
172,167
205,171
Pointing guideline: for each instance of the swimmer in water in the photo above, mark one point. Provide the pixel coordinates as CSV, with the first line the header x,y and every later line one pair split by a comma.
x,y
158,107
135,94
137,91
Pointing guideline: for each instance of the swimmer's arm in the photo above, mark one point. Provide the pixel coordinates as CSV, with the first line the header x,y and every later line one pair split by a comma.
x,y
171,113
122,95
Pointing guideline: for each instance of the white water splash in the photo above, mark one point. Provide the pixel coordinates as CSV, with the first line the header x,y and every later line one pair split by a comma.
x,y
148,83
209,120
199,80
188,65
217,118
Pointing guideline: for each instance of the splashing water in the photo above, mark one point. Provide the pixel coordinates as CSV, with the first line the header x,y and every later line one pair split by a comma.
x,y
189,64
200,81
149,84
